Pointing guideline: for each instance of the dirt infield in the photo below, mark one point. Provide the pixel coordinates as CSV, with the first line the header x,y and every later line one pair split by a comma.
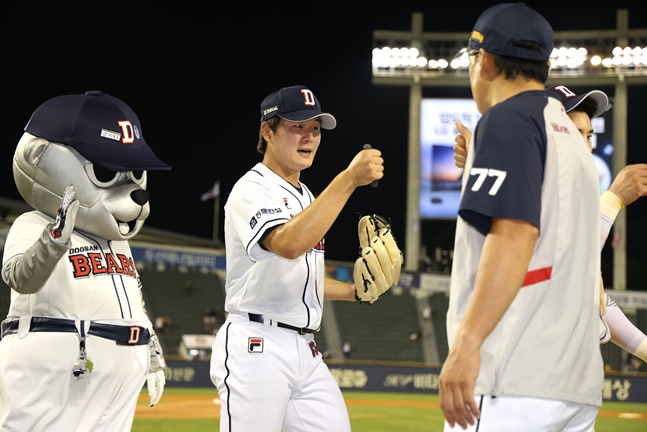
x,y
179,407
205,406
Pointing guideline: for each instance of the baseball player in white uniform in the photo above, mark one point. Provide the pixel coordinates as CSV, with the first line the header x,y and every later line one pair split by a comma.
x,y
265,363
77,345
524,298
629,185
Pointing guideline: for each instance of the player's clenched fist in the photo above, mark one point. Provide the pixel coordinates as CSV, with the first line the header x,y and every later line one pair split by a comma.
x,y
630,183
366,166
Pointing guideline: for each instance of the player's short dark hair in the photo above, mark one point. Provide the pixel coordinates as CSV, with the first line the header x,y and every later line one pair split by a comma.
x,y
273,123
587,106
512,67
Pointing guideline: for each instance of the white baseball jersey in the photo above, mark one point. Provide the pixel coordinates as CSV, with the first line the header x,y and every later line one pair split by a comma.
x,y
529,162
259,281
270,377
94,281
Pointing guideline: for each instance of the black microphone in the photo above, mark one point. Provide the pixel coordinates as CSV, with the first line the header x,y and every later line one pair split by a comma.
x,y
374,183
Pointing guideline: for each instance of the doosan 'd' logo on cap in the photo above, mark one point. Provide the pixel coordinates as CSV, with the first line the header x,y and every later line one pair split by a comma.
x,y
128,131
565,91
308,97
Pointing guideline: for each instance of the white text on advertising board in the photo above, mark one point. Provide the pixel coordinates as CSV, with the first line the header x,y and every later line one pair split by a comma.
x,y
417,381
617,386
349,378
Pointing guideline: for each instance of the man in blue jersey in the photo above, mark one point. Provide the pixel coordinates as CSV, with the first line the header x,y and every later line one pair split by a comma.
x,y
522,321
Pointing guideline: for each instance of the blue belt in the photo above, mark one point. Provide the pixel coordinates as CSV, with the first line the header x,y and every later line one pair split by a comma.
x,y
123,335
261,319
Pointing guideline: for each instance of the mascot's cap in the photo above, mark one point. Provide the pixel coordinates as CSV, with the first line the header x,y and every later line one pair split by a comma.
x,y
297,104
100,127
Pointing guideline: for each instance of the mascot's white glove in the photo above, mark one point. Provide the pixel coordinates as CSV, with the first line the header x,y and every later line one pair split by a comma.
x,y
156,379
62,228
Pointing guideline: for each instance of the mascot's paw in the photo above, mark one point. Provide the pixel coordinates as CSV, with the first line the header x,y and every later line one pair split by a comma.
x,y
155,383
65,217
156,379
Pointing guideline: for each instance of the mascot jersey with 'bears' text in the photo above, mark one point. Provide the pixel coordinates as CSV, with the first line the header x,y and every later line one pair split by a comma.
x,y
95,280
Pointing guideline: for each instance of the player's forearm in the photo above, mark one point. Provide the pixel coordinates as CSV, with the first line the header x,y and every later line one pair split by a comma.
x,y
504,262
610,205
307,228
623,332
27,273
338,290
641,351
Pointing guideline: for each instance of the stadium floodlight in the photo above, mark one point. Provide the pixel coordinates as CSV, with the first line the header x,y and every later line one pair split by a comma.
x,y
591,57
587,58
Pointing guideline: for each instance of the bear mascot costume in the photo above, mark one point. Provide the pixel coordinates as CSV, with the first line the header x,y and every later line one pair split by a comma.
x,y
77,345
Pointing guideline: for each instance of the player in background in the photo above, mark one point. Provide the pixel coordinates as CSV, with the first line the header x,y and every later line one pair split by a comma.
x,y
265,363
524,296
629,185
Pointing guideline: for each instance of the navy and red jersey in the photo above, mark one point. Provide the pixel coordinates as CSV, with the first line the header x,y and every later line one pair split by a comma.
x,y
529,162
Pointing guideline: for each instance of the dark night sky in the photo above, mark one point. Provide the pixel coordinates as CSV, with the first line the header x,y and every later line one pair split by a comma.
x,y
196,72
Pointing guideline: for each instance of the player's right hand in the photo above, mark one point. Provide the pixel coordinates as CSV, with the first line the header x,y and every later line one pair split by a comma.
x,y
462,141
63,226
366,166
630,183
456,385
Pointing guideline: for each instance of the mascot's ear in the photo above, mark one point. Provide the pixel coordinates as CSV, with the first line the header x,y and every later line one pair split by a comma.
x,y
33,150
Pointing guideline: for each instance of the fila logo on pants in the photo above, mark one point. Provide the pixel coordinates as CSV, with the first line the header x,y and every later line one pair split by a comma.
x,y
255,345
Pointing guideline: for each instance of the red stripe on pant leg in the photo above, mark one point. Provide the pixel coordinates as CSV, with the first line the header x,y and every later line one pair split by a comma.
x,y
536,276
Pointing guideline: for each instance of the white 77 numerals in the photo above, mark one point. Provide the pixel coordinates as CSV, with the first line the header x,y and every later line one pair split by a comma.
x,y
482,173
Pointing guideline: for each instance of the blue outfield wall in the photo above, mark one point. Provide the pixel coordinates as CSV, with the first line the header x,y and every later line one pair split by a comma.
x,y
177,257
398,379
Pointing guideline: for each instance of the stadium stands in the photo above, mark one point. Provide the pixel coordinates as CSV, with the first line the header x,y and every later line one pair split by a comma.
x,y
380,332
183,294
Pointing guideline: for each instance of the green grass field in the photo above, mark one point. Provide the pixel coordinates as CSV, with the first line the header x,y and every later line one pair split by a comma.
x,y
369,412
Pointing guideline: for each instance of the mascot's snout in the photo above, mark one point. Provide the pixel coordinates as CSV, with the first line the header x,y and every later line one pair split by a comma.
x,y
140,196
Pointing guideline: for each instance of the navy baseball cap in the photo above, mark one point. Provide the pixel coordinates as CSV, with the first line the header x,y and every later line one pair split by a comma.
x,y
100,127
503,29
296,103
570,100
